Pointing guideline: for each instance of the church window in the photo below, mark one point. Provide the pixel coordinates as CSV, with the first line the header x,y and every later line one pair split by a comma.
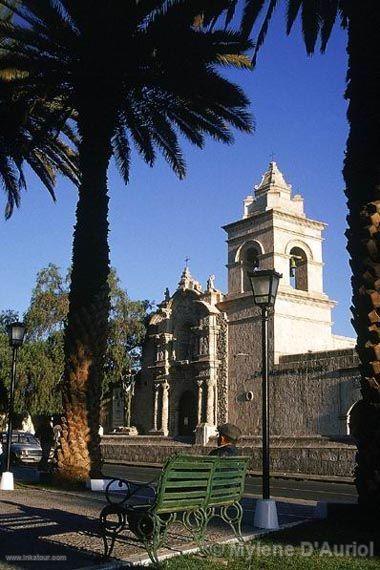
x,y
298,269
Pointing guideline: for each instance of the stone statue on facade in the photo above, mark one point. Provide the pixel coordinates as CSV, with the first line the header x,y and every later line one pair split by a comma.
x,y
203,345
211,283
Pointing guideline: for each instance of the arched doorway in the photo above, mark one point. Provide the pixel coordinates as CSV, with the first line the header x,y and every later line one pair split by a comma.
x,y
187,414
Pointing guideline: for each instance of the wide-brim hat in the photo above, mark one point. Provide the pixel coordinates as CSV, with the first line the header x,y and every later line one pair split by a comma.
x,y
230,431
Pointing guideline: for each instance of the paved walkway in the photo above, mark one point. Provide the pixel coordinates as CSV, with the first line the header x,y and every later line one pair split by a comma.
x,y
59,530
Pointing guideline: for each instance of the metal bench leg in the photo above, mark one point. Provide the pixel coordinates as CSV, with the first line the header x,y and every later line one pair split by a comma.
x,y
196,523
111,528
233,515
108,548
158,535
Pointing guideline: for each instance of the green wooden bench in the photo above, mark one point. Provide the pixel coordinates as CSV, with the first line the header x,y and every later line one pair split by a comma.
x,y
191,490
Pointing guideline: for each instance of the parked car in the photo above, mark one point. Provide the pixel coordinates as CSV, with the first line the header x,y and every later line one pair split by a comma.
x,y
25,448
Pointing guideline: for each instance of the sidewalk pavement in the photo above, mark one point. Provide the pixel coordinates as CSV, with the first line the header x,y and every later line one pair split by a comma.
x,y
59,530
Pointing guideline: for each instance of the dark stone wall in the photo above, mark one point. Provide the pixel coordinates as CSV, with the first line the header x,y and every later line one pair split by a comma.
x,y
318,457
310,394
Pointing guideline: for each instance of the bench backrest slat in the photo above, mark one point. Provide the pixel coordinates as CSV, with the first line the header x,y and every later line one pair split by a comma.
x,y
193,481
184,482
228,480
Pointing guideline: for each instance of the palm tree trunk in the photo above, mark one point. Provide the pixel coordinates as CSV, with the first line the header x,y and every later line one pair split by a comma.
x,y
362,178
87,324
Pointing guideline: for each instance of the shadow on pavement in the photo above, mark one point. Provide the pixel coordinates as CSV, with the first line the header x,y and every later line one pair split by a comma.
x,y
27,533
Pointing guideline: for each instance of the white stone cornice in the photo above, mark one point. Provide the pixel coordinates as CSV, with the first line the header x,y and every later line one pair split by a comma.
x,y
308,297
299,234
260,217
300,220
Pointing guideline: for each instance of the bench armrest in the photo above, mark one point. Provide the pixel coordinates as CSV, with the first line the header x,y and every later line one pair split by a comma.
x,y
119,491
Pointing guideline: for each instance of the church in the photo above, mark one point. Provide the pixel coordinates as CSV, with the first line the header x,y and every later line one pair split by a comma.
x,y
201,361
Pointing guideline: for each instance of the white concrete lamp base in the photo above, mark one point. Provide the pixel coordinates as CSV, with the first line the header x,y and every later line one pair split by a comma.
x,y
266,514
101,485
7,482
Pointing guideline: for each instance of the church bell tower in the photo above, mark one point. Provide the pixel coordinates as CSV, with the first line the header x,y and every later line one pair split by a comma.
x,y
275,233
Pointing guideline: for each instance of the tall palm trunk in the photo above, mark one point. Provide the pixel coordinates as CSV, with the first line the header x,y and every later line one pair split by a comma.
x,y
86,329
362,178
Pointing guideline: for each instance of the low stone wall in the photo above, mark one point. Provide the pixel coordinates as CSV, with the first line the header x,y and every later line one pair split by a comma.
x,y
310,456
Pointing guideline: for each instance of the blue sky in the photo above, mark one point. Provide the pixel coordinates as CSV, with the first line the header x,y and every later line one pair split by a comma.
x,y
300,115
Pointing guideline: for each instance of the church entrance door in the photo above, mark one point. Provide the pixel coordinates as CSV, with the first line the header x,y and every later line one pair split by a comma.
x,y
187,418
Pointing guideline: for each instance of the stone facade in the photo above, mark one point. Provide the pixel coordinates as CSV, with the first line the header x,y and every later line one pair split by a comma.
x,y
202,355
183,386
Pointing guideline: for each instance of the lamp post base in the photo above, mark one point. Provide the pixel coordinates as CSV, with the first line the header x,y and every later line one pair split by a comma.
x,y
7,483
266,514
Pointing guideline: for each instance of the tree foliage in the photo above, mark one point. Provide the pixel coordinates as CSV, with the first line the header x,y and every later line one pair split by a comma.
x,y
41,359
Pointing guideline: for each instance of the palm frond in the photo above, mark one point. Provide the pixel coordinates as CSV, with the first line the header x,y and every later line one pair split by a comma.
x,y
328,15
122,152
51,52
133,120
263,30
252,10
166,140
44,170
310,24
293,9
10,182
241,61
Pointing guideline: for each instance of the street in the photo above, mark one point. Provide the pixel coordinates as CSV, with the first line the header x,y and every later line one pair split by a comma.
x,y
285,488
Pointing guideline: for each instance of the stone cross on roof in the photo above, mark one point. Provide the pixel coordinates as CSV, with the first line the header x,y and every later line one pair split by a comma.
x,y
271,180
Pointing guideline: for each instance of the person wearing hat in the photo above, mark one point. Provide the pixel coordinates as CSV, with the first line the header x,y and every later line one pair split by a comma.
x,y
228,436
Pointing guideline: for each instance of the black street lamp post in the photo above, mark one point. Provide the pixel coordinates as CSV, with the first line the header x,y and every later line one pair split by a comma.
x,y
264,285
16,332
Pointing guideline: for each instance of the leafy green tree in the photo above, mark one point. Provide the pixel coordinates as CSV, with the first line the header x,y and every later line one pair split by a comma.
x,y
127,328
362,180
6,318
49,304
41,359
138,72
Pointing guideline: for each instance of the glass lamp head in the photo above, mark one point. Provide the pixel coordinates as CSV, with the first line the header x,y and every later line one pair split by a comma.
x,y
264,284
16,332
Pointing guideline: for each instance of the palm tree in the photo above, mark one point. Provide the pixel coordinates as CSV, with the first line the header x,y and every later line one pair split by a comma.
x,y
133,72
362,180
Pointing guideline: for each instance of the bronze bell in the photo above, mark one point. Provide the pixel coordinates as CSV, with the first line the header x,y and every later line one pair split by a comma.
x,y
292,266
